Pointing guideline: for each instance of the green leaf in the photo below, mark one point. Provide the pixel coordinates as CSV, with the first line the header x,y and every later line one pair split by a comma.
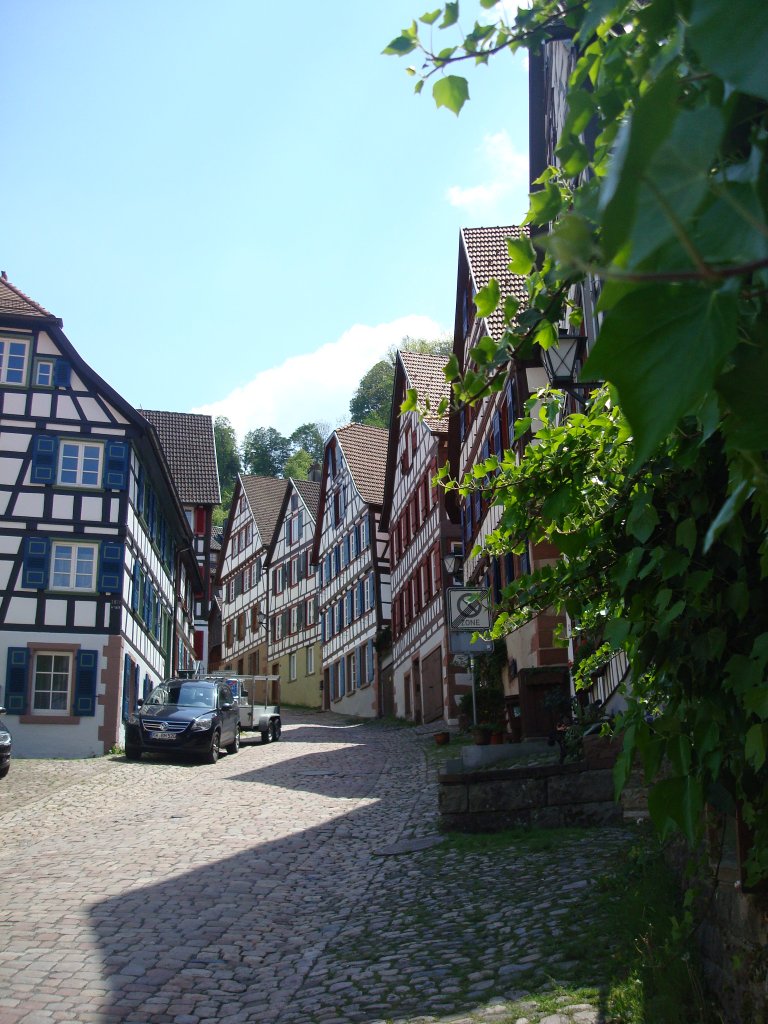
x,y
662,346
522,255
675,181
511,306
451,15
410,402
430,17
726,514
642,519
734,46
452,370
685,535
754,746
451,92
595,13
638,139
488,4
400,46
678,801
545,206
487,299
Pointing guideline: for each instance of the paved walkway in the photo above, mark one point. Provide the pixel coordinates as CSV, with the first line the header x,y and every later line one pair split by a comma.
x,y
259,889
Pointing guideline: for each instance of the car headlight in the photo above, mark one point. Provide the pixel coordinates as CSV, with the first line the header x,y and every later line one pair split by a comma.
x,y
133,720
202,724
5,738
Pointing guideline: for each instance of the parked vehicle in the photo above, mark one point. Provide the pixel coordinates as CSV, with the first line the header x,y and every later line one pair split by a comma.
x,y
185,716
5,747
257,698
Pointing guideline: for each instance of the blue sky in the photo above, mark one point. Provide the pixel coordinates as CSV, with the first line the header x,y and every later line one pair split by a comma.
x,y
238,207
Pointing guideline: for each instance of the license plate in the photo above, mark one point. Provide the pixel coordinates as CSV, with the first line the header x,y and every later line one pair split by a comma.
x,y
161,736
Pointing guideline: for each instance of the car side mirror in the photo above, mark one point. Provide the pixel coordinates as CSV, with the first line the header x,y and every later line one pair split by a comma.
x,y
3,711
140,702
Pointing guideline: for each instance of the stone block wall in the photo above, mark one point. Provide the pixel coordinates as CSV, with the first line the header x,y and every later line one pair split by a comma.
x,y
549,796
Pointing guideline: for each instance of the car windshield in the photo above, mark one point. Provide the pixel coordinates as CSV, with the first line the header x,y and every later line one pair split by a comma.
x,y
183,695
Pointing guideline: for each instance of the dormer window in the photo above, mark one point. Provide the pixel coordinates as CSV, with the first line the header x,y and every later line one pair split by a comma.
x,y
44,373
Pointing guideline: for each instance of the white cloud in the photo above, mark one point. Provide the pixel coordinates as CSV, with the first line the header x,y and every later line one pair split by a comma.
x,y
316,387
503,196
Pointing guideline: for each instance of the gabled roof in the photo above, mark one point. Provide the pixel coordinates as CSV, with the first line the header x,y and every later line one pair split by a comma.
x,y
487,257
310,495
365,449
265,496
13,301
425,373
188,443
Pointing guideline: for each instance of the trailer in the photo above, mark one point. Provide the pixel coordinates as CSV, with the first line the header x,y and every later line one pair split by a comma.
x,y
258,702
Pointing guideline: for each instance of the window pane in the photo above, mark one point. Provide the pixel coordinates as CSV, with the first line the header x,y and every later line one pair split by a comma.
x,y
44,374
85,568
62,565
91,461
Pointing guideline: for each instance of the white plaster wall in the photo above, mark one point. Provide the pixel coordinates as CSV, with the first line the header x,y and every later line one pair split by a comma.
x,y
41,405
29,505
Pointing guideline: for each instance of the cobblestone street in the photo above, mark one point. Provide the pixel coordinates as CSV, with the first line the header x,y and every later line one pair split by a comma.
x,y
262,889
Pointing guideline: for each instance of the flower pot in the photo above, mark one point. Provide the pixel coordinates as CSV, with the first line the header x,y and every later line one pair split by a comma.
x,y
482,737
441,738
497,738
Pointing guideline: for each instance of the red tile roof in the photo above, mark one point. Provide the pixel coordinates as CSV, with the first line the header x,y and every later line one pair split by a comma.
x,y
189,447
14,301
310,495
265,496
365,449
487,254
425,373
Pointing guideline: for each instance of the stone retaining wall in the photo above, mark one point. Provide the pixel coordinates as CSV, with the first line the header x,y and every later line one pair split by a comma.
x,y
549,796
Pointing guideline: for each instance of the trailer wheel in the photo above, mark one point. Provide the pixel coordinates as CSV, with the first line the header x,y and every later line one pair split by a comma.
x,y
275,730
266,735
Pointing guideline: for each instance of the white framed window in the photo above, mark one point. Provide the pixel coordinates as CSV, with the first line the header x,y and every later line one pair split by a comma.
x,y
80,463
351,672
310,661
292,667
73,566
309,612
51,694
294,618
14,353
44,373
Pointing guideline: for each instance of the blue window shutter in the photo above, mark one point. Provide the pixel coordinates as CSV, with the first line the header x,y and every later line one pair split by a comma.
x,y
16,689
136,586
45,450
36,554
158,616
322,629
372,591
110,567
140,489
85,683
62,373
497,434
147,598
370,661
126,687
116,458
361,596
359,665
342,679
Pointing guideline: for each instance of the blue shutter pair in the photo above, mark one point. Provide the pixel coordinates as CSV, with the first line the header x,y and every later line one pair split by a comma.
x,y
116,460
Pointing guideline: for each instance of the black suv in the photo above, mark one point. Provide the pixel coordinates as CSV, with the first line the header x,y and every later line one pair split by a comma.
x,y
185,716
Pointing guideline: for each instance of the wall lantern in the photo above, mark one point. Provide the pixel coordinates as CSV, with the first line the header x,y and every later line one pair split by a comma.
x,y
560,362
454,564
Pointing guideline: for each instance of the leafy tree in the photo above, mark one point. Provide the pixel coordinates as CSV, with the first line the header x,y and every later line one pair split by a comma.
x,y
372,401
228,461
425,346
264,451
309,437
664,201
298,465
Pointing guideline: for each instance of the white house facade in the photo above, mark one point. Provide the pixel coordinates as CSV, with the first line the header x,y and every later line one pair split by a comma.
x,y
351,552
423,527
96,578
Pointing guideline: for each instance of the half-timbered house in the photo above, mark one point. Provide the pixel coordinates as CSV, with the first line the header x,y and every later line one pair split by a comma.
x,y
488,429
351,551
242,573
423,527
96,571
294,649
188,445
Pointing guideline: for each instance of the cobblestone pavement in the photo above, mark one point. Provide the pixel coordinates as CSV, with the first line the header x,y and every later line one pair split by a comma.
x,y
256,890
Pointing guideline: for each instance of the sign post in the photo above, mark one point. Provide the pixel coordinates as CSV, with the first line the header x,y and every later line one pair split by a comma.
x,y
469,611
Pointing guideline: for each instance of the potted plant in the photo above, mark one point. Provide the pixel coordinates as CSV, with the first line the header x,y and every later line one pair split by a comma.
x,y
442,737
481,734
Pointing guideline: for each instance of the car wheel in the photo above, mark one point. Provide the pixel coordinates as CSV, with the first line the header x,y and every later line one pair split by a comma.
x,y
266,735
276,730
4,770
213,753
133,753
234,746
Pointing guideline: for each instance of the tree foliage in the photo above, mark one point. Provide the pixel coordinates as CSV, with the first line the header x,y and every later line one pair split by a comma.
x,y
662,515
371,402
228,462
266,452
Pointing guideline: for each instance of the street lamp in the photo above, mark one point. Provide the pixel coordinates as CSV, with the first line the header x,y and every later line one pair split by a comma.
x,y
560,361
454,563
